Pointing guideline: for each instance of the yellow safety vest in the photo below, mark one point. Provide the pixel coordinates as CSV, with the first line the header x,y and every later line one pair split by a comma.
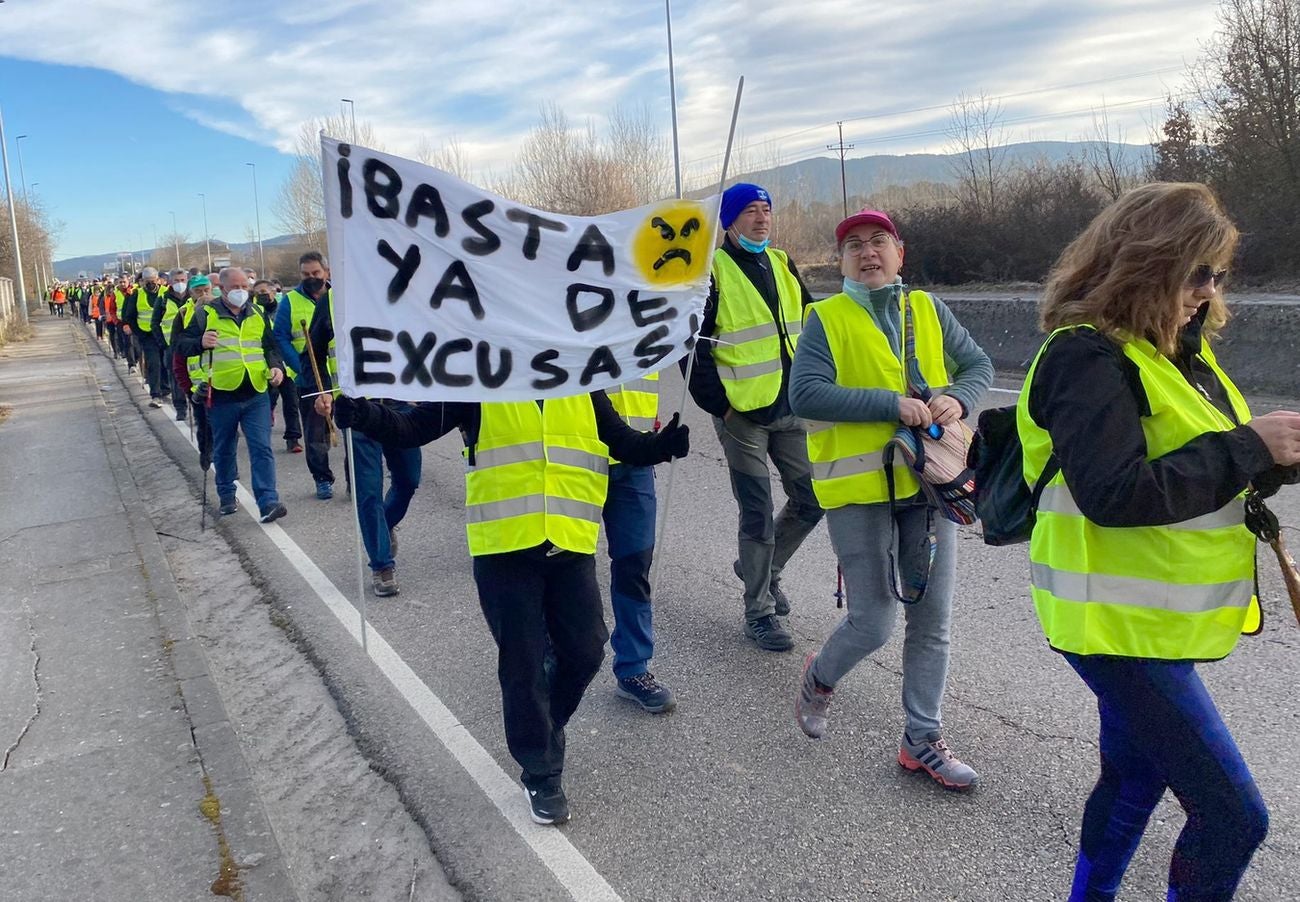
x,y
143,310
193,365
1185,591
537,474
238,351
168,317
847,458
748,351
301,307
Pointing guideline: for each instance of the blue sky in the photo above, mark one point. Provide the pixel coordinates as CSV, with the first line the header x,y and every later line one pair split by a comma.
x,y
132,107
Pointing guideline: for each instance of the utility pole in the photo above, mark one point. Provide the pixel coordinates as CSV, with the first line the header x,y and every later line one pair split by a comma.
x,y
206,237
176,238
13,224
257,210
842,147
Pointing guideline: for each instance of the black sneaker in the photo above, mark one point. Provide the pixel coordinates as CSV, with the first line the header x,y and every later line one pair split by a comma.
x,y
547,806
274,513
768,634
229,507
647,692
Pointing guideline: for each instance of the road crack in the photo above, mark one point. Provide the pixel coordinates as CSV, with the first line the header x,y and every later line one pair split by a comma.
x,y
36,686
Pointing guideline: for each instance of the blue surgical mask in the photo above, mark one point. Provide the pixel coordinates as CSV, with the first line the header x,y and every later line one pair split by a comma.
x,y
754,247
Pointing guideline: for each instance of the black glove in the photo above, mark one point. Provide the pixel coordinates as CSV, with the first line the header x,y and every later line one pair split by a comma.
x,y
674,440
350,413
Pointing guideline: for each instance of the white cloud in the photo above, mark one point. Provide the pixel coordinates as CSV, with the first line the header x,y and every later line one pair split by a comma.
x,y
480,69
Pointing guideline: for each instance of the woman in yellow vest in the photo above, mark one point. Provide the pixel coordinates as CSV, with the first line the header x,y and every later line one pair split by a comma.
x,y
535,487
1141,560
849,380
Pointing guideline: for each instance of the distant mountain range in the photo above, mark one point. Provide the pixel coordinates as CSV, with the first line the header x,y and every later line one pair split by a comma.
x,y
94,264
812,180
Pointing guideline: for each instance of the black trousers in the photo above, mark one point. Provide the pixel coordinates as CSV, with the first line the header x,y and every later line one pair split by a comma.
x,y
287,395
127,346
317,444
529,597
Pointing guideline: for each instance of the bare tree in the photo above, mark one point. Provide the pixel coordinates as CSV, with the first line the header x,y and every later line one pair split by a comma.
x,y
449,157
1107,158
300,204
978,144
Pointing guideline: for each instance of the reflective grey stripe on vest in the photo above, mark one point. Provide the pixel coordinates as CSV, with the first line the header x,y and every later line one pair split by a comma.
x,y
533,504
793,328
749,370
849,466
1057,499
1143,593
572,457
509,454
223,356
642,424
751,333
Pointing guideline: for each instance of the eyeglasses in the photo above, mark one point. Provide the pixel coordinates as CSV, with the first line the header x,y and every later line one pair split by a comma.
x,y
853,247
1205,274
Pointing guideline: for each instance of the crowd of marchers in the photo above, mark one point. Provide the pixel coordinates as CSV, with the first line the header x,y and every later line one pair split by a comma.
x,y
1143,455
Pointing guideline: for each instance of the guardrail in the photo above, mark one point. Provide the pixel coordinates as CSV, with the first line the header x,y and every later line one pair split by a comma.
x,y
10,321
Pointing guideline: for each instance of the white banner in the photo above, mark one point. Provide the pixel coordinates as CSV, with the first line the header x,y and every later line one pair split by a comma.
x,y
446,292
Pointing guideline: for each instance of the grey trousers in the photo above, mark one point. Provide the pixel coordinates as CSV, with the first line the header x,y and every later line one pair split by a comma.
x,y
766,543
860,535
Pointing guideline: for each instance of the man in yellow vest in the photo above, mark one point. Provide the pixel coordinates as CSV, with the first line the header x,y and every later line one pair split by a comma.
x,y
753,316
234,337
163,318
139,317
292,319
534,488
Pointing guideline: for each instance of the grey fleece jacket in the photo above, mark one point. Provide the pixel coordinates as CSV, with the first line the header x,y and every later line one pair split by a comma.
x,y
815,396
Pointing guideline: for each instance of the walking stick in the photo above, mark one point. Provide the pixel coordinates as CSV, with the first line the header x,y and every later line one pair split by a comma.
x,y
207,406
320,385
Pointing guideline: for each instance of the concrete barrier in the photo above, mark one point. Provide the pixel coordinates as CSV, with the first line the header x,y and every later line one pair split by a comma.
x,y
1259,348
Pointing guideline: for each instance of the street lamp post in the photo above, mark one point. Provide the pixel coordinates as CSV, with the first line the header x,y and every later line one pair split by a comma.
x,y
13,225
257,211
207,239
42,281
353,107
176,238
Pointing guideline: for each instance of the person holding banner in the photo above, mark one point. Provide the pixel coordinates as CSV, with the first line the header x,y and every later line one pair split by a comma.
x,y
293,311
536,481
753,316
235,338
849,381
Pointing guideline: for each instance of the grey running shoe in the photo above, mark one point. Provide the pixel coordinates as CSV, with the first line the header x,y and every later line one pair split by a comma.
x,y
812,704
384,582
933,756
768,633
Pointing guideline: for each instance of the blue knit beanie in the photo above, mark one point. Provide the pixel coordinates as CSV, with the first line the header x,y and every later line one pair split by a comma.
x,y
738,197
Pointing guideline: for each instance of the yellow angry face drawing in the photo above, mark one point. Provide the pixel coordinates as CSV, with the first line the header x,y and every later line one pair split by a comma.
x,y
673,245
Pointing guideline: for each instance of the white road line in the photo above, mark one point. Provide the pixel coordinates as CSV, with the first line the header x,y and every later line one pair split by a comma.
x,y
573,871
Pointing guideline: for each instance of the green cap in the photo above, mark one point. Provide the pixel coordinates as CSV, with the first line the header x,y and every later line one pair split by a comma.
x,y
199,282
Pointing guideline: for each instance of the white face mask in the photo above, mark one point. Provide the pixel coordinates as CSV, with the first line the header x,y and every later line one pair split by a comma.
x,y
179,287
237,296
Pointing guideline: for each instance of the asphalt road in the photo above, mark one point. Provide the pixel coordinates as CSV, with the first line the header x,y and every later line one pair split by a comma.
x,y
725,798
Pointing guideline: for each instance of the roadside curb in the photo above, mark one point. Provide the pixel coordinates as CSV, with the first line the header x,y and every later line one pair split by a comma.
x,y
243,830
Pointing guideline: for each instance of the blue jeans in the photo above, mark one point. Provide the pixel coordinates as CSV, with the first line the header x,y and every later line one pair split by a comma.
x,y
226,417
1159,728
377,513
630,529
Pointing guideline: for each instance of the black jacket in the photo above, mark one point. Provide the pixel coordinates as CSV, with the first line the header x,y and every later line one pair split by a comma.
x,y
130,308
1089,398
706,385
160,308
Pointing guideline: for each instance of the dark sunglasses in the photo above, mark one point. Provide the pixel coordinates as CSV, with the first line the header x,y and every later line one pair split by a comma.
x,y
1205,274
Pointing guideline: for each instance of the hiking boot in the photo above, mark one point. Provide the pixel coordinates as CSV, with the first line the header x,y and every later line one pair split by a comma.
x,y
768,633
229,507
547,806
324,490
779,599
933,756
647,692
275,513
384,582
812,704
293,446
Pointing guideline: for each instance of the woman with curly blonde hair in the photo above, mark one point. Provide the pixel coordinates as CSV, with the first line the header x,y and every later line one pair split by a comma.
x,y
1141,560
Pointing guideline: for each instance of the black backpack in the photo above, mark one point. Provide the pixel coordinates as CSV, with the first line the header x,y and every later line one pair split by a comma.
x,y
1005,504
